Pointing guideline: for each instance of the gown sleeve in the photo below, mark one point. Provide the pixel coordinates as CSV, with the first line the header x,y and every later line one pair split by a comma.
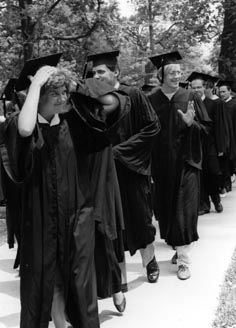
x,y
90,128
134,152
17,151
202,124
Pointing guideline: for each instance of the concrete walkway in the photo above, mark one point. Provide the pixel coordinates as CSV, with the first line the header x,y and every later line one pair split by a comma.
x,y
170,303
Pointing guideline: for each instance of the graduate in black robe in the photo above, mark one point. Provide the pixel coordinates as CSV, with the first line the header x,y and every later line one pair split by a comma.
x,y
108,213
177,159
108,205
132,147
228,161
48,153
211,173
12,191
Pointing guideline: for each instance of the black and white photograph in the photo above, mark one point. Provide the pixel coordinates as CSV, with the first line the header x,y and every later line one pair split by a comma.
x,y
117,164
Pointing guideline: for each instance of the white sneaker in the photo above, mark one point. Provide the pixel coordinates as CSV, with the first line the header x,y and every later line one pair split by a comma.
x,y
183,272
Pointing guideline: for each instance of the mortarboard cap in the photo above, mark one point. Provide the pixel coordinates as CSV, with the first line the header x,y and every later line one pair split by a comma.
x,y
183,84
31,66
165,59
9,90
202,76
107,58
222,83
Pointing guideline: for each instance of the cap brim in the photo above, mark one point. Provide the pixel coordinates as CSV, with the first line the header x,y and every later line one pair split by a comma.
x,y
31,66
183,84
173,57
109,57
225,83
148,87
202,76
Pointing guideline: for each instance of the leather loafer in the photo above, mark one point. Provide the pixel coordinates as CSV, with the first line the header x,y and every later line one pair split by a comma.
x,y
152,270
218,207
120,307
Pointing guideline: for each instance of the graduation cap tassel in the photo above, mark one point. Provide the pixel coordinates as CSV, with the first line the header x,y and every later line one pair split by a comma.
x,y
162,72
4,107
17,100
85,70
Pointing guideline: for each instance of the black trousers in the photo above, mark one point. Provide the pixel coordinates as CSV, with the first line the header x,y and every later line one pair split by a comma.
x,y
209,188
225,167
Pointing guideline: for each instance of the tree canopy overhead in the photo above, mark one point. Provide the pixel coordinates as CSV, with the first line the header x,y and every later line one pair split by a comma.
x,y
36,28
40,27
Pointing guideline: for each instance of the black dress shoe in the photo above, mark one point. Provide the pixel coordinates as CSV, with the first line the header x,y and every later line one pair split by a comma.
x,y
152,270
120,307
218,207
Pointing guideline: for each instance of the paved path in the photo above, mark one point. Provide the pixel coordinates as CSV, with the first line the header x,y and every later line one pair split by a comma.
x,y
170,303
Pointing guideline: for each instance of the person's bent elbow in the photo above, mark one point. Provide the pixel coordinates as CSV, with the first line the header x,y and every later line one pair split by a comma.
x,y
24,131
110,103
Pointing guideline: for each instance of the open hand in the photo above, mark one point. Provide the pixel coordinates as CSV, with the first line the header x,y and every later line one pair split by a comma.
x,y
42,75
188,117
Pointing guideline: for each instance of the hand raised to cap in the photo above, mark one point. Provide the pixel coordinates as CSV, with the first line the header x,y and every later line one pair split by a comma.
x,y
188,117
42,75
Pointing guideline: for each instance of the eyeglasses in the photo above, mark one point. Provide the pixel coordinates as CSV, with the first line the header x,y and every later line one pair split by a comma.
x,y
175,73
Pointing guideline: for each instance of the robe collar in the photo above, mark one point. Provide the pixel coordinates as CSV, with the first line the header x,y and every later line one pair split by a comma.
x,y
54,121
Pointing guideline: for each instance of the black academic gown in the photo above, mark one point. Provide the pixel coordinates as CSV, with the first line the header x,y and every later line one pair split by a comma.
x,y
2,193
12,200
225,140
177,159
57,213
231,111
132,147
13,215
210,177
231,107
109,222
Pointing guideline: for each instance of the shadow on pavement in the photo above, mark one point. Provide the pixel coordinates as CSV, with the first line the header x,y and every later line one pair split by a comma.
x,y
135,267
11,320
6,265
133,284
10,288
167,269
106,315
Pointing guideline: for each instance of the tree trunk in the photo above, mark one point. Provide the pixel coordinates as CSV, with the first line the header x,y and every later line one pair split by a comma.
x,y
227,59
149,67
27,30
150,25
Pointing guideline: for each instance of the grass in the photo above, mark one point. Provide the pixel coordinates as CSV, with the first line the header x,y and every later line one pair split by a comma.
x,y
226,312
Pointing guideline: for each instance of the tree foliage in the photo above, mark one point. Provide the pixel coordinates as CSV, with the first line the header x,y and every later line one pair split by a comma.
x,y
40,27
161,26
227,58
30,28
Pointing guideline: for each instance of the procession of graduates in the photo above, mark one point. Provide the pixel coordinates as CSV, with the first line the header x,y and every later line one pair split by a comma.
x,y
88,164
